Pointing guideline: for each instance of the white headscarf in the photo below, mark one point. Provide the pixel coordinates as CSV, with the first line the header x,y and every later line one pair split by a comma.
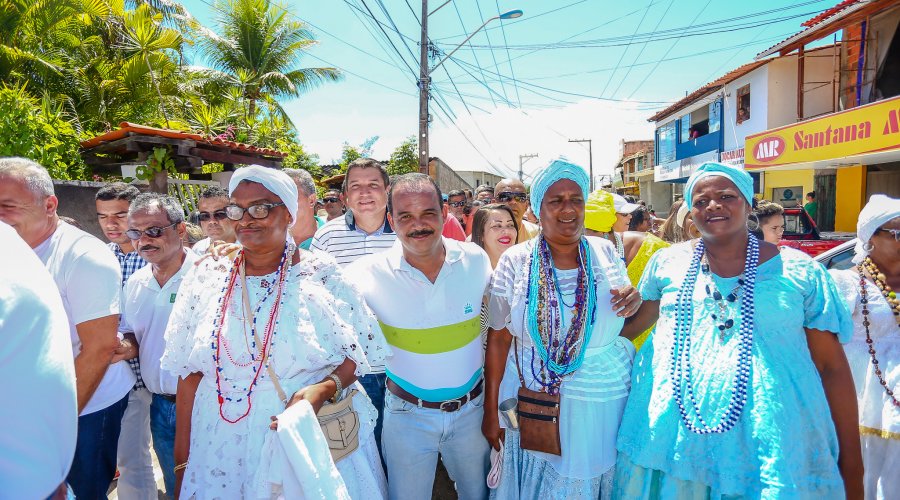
x,y
878,211
274,180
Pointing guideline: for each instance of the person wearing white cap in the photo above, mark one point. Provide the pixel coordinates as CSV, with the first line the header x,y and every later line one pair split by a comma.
x,y
874,351
624,209
250,336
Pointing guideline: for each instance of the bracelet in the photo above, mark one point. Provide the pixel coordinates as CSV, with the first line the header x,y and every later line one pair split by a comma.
x,y
181,466
337,381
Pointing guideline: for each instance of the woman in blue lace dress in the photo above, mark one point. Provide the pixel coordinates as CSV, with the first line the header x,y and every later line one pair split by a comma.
x,y
743,390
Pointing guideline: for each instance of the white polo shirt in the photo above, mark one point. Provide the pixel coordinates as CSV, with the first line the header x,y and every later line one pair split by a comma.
x,y
433,328
343,240
145,312
90,282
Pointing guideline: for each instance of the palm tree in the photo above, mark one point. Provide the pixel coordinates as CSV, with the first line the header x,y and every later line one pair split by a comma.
x,y
258,49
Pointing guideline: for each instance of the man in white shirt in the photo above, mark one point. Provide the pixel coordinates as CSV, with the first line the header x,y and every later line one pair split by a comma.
x,y
156,226
89,281
35,359
426,292
362,231
135,464
215,224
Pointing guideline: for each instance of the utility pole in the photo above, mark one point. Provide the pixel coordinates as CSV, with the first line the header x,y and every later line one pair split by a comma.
x,y
522,159
424,81
590,159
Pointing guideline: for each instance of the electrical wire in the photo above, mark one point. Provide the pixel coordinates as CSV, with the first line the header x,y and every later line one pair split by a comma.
x,y
512,72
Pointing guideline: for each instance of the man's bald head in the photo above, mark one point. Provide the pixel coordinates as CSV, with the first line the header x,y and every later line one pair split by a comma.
x,y
509,185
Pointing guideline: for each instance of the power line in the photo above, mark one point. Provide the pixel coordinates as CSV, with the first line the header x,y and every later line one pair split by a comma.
x,y
512,72
627,46
487,36
641,52
517,21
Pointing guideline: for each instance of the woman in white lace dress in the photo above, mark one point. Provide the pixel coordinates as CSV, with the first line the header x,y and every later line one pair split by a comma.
x,y
874,351
298,318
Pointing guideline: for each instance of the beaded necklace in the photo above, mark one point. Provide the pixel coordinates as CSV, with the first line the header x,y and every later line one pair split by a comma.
x,y
620,246
720,301
681,371
559,355
218,340
880,281
867,264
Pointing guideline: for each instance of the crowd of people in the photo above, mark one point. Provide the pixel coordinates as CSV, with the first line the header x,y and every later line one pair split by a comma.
x,y
541,342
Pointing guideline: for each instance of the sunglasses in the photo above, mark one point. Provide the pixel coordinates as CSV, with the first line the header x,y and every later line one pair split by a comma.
x,y
894,232
260,211
508,196
217,215
331,200
150,232
458,203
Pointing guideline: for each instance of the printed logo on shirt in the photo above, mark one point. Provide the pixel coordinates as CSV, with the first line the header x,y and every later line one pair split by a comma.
x,y
172,298
468,309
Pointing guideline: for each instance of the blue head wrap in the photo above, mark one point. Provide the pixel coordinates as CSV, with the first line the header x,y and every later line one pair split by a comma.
x,y
557,170
738,176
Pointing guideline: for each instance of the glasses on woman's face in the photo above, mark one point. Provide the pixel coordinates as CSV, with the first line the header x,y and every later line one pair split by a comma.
x,y
260,211
894,232
217,215
508,196
150,232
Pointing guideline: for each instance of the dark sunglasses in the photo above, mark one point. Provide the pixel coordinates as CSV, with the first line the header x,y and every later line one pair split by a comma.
x,y
508,196
150,232
218,215
331,200
260,211
458,203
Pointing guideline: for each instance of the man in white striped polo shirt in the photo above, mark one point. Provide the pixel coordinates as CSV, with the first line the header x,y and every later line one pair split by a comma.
x,y
426,292
363,230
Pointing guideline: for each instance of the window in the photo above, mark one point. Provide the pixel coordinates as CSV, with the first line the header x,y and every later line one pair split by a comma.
x,y
715,116
742,112
686,130
639,163
665,143
695,124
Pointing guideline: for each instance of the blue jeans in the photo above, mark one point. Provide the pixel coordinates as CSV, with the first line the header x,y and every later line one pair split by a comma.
x,y
162,428
374,384
95,451
413,438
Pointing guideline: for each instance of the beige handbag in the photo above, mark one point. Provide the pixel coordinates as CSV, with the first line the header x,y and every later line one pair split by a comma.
x,y
338,420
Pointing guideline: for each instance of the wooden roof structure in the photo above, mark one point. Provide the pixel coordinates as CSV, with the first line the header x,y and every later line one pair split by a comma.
x,y
133,143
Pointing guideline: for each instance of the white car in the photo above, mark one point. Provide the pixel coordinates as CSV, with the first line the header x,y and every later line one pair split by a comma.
x,y
839,257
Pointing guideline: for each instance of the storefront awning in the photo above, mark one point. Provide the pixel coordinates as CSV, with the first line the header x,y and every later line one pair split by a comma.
x,y
863,135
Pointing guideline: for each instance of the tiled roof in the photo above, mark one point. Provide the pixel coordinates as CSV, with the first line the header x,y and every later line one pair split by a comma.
x,y
821,20
125,128
708,89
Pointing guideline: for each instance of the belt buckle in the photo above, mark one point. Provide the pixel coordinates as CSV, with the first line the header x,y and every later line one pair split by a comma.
x,y
450,409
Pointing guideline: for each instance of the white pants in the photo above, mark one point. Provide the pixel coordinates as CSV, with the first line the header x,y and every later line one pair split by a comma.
x,y
136,481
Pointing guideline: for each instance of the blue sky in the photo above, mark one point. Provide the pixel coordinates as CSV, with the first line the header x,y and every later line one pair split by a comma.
x,y
567,69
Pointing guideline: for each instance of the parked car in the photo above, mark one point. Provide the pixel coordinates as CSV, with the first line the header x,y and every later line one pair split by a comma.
x,y
800,232
839,257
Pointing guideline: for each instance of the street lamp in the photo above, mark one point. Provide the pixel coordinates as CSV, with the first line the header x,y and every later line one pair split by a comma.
x,y
425,74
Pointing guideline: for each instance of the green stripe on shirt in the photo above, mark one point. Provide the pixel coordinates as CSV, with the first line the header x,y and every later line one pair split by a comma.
x,y
433,340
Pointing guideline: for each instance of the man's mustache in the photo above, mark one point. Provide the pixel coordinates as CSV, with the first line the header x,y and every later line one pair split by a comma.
x,y
420,232
148,247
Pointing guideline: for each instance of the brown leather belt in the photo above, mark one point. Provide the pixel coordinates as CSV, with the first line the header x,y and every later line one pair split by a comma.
x,y
448,406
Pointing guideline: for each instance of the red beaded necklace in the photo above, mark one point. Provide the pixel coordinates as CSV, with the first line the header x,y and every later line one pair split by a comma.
x,y
864,300
268,333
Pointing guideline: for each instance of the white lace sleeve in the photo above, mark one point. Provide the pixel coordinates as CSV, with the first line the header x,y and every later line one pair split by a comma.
x,y
500,292
349,305
182,326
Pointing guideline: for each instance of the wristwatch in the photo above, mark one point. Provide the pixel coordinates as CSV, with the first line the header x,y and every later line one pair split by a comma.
x,y
337,383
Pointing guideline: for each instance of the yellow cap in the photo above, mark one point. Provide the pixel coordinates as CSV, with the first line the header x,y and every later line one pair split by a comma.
x,y
599,211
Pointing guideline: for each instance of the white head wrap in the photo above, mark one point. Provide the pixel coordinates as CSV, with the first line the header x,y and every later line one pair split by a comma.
x,y
682,214
878,211
272,179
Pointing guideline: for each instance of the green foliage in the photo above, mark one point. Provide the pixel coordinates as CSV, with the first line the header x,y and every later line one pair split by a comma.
x,y
38,130
160,161
404,159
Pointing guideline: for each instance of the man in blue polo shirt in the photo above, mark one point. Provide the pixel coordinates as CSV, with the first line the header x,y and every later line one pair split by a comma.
x,y
426,292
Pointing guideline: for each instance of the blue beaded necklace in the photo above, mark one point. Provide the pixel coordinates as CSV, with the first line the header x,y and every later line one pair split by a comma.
x,y
560,354
681,371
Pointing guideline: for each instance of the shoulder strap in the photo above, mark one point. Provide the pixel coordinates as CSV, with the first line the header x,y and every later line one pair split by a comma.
x,y
281,394
518,367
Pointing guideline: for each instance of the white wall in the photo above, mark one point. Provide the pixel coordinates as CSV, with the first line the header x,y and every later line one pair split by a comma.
x,y
818,99
759,97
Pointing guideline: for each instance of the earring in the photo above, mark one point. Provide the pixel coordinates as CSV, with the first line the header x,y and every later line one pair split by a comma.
x,y
868,246
753,222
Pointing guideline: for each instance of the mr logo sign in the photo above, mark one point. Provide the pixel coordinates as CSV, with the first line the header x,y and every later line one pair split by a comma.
x,y
769,149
